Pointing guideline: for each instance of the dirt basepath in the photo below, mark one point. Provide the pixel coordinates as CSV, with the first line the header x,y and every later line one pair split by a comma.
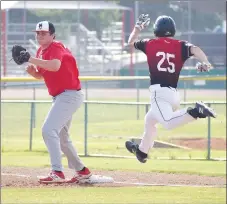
x,y
200,143
27,177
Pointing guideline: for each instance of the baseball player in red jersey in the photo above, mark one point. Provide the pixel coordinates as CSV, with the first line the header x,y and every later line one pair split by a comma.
x,y
56,65
166,57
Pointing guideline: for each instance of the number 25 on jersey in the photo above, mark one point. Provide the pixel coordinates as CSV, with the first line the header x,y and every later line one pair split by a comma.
x,y
168,57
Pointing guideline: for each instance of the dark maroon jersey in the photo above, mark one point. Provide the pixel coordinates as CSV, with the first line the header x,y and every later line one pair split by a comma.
x,y
165,57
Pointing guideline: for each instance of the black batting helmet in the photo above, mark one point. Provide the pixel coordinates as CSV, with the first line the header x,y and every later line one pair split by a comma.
x,y
164,26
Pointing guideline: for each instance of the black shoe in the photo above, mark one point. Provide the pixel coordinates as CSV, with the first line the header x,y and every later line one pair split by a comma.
x,y
204,110
134,149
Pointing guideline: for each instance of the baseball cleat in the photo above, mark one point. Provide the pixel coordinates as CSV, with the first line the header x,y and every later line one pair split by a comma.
x,y
204,110
80,176
53,177
134,149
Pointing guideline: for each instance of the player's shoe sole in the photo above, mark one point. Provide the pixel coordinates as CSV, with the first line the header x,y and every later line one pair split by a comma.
x,y
52,178
205,110
134,149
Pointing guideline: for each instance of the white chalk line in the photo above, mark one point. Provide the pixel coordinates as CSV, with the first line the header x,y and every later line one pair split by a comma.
x,y
170,185
17,175
136,183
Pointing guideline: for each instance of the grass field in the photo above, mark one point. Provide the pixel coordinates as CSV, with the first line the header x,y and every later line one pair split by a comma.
x,y
38,159
108,128
151,195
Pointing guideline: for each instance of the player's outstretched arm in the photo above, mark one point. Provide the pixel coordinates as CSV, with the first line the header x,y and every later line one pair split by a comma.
x,y
142,22
133,36
199,54
204,64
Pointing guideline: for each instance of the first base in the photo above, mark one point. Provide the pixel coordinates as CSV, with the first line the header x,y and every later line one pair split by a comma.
x,y
97,179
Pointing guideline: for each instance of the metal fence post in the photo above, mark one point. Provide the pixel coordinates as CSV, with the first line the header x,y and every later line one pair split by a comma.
x,y
208,137
138,99
34,98
86,93
85,127
185,91
31,125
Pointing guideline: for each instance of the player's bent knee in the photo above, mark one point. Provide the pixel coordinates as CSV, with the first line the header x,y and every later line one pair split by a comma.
x,y
65,143
45,131
149,117
48,131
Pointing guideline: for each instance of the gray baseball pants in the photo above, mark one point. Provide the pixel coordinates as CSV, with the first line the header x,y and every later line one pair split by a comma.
x,y
55,130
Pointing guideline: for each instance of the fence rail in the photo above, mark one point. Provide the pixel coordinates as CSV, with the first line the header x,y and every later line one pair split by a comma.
x,y
108,78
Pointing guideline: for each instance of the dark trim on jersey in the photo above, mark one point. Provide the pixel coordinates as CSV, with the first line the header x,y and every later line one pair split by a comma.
x,y
141,45
161,111
186,50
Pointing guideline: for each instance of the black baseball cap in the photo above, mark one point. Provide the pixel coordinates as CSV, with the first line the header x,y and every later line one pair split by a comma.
x,y
45,26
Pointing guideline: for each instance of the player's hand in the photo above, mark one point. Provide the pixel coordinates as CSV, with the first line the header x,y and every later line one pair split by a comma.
x,y
203,67
30,69
143,21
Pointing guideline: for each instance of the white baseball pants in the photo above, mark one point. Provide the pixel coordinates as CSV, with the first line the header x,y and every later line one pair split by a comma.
x,y
55,130
164,104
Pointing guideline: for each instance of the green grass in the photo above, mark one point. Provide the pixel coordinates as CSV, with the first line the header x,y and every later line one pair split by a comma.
x,y
200,167
151,195
112,146
108,128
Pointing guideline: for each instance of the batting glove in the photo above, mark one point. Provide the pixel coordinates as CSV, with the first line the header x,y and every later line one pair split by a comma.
x,y
143,21
203,67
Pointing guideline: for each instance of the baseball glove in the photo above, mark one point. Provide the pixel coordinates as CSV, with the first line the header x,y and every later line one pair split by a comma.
x,y
203,67
20,55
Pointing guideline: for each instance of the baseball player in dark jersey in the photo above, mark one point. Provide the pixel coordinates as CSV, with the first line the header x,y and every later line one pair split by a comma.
x,y
165,57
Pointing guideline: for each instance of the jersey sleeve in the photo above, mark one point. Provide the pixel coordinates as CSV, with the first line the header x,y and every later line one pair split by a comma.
x,y
141,45
186,50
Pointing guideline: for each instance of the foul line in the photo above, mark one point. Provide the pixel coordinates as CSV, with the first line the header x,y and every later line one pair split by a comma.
x,y
137,184
170,185
17,175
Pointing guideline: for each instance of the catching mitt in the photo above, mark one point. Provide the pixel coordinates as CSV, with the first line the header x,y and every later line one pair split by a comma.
x,y
20,55
203,67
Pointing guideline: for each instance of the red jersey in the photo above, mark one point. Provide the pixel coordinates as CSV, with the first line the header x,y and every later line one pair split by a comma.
x,y
67,77
165,58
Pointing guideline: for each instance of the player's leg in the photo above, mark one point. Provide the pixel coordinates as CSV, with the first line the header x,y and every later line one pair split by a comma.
x,y
150,132
74,161
50,131
61,112
170,119
162,113
148,138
